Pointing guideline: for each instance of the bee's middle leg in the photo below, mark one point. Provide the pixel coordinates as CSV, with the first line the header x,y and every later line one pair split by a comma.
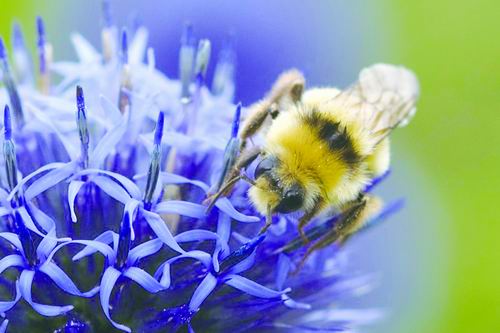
x,y
288,86
269,221
259,113
306,218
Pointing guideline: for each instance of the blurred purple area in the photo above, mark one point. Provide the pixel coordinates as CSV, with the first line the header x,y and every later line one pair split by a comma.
x,y
328,41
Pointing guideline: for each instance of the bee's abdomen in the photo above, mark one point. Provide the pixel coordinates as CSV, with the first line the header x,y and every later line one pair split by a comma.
x,y
333,135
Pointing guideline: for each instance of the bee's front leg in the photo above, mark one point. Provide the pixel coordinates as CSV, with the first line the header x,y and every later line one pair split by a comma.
x,y
234,175
242,162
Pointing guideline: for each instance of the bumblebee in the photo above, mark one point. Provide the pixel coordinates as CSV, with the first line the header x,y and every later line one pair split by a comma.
x,y
323,146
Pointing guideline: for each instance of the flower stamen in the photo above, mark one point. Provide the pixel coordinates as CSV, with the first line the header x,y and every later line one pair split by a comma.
x,y
9,151
240,254
124,241
186,61
232,148
10,84
154,166
83,130
44,56
125,81
202,60
107,33
26,240
223,81
22,58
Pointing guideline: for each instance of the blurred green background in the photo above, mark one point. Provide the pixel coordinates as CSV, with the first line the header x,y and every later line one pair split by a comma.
x,y
454,47
450,153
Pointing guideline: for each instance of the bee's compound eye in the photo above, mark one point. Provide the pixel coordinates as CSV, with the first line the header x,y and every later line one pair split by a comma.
x,y
264,166
292,200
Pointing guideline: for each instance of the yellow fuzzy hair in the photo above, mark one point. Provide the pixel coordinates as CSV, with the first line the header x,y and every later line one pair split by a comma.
x,y
378,156
307,160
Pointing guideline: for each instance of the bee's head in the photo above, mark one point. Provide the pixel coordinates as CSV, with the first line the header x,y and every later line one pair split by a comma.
x,y
274,191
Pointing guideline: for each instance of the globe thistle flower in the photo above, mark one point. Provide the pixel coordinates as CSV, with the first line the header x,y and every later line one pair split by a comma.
x,y
106,167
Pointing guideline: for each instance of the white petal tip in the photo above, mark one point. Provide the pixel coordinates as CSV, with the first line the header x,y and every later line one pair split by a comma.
x,y
68,308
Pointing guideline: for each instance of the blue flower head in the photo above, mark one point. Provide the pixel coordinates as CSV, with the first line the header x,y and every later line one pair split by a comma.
x,y
105,228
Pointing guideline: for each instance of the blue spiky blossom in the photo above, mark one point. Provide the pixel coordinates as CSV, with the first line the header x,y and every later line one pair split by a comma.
x,y
106,167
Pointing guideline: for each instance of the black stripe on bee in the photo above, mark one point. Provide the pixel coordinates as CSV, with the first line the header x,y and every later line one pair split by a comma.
x,y
335,135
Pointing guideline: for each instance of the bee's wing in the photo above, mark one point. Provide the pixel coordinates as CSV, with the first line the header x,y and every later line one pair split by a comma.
x,y
383,98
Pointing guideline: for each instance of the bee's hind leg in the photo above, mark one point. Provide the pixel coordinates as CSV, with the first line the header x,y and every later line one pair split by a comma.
x,y
353,219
